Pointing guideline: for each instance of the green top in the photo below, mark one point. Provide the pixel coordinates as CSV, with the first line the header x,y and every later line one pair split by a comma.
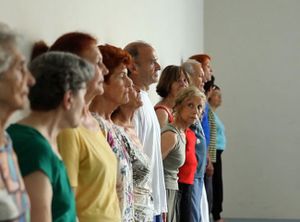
x,y
35,154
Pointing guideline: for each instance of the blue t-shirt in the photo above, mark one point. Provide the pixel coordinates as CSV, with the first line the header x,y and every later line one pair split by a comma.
x,y
221,138
205,124
201,149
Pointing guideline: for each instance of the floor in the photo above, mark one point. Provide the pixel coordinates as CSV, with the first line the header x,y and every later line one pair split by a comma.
x,y
260,220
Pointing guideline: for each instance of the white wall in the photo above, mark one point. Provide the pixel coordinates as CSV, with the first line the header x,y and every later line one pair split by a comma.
x,y
174,27
255,46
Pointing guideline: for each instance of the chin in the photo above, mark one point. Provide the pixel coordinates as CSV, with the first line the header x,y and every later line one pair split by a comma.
x,y
100,91
139,105
75,125
20,104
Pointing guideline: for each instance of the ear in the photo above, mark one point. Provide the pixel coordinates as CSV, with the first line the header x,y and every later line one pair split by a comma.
x,y
68,100
132,68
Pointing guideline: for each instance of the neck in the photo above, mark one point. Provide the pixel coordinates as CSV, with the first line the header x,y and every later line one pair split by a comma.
x,y
124,116
180,125
169,102
4,117
47,123
105,111
213,108
142,87
139,83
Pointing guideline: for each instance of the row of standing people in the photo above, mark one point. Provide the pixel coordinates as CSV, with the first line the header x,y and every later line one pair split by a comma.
x,y
200,161
112,151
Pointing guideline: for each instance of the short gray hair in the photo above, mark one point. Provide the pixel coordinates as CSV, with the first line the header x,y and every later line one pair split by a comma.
x,y
8,39
55,74
188,67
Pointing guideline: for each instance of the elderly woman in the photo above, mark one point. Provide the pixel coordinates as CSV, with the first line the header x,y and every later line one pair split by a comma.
x,y
15,81
123,116
196,75
116,91
90,162
172,80
215,102
187,109
56,102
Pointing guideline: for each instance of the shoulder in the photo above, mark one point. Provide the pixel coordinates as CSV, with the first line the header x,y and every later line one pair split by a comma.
x,y
69,133
35,155
27,140
161,111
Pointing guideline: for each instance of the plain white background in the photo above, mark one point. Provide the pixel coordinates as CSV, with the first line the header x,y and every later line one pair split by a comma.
x,y
255,45
173,27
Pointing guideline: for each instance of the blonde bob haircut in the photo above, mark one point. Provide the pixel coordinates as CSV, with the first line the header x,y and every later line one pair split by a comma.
x,y
188,93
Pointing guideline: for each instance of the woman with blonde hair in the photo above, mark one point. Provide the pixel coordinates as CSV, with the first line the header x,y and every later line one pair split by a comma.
x,y
188,107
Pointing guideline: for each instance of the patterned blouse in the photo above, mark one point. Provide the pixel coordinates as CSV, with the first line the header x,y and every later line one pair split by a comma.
x,y
124,177
143,200
14,201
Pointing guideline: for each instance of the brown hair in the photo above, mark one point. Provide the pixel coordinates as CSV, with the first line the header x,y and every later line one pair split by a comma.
x,y
169,75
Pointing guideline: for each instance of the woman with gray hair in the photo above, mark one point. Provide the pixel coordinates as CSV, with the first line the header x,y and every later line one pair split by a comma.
x,y
15,81
57,102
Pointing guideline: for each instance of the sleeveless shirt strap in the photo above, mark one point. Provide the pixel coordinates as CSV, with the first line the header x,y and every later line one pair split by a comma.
x,y
170,116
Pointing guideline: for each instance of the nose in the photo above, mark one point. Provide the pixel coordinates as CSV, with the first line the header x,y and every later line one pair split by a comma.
x,y
30,79
157,66
103,69
129,82
181,82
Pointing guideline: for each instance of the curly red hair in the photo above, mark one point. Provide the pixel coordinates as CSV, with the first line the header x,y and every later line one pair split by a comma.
x,y
113,57
200,58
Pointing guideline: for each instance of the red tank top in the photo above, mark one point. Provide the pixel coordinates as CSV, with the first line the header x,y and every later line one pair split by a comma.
x,y
170,116
187,171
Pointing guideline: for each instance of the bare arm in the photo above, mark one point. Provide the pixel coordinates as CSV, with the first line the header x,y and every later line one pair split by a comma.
x,y
209,166
40,194
168,141
162,117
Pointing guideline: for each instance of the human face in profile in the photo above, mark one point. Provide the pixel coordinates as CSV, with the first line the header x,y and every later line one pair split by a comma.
x,y
117,87
15,83
147,65
94,56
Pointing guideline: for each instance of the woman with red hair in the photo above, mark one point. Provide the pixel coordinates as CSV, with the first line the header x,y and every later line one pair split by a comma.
x,y
90,162
204,59
116,92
